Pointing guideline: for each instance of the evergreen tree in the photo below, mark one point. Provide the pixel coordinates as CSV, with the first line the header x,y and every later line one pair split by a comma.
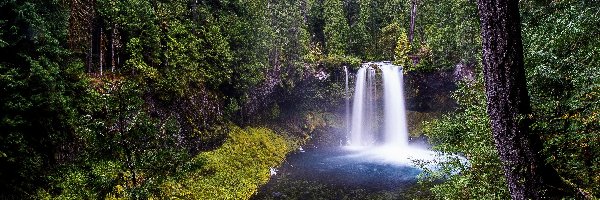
x,y
402,49
336,28
38,114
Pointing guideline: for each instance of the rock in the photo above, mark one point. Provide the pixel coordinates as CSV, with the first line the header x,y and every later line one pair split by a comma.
x,y
301,149
430,91
273,171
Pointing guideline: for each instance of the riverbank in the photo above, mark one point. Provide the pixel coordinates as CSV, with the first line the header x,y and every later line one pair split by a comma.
x,y
235,170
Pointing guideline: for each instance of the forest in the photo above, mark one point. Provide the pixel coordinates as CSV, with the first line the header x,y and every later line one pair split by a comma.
x,y
198,99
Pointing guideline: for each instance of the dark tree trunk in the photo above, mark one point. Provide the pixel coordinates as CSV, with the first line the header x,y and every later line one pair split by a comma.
x,y
527,176
113,35
413,17
81,19
90,55
194,8
101,50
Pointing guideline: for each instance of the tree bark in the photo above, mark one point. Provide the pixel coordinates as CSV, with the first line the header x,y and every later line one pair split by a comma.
x,y
113,35
101,50
508,105
413,17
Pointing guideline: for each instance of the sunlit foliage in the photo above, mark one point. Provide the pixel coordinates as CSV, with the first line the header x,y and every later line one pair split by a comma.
x,y
234,170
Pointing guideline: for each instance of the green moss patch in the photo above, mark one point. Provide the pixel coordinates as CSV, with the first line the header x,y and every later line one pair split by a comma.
x,y
236,169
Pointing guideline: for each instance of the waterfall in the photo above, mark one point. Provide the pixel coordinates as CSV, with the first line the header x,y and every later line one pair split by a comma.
x,y
364,110
370,115
395,127
356,134
347,102
388,144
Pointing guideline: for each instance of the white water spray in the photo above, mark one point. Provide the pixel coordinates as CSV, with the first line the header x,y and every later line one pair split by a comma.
x,y
371,116
363,108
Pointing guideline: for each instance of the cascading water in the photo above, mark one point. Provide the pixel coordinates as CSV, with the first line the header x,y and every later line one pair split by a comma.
x,y
371,116
347,102
364,112
371,161
396,129
356,134
393,146
363,108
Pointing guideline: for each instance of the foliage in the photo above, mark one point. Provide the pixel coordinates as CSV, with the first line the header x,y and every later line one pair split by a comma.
x,y
123,153
172,53
401,50
448,34
480,177
290,41
188,67
373,17
234,170
415,121
354,28
562,58
389,39
185,67
336,27
37,109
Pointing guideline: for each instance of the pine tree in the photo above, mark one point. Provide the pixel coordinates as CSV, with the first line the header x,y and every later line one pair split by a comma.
x,y
336,28
402,50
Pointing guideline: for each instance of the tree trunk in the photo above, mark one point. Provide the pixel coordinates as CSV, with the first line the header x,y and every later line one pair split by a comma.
x,y
90,55
101,50
508,106
113,35
413,17
91,20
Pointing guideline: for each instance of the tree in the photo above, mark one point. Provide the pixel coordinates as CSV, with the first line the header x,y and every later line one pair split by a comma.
x,y
390,35
38,113
336,27
561,51
527,176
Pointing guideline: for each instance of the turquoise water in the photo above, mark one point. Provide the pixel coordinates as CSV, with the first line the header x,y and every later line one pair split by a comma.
x,y
338,173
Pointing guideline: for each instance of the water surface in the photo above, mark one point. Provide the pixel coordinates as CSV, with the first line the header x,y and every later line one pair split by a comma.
x,y
340,173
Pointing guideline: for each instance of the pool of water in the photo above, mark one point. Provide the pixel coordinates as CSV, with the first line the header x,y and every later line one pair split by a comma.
x,y
343,173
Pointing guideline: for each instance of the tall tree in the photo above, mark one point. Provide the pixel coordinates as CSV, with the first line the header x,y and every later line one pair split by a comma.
x,y
38,82
508,106
336,27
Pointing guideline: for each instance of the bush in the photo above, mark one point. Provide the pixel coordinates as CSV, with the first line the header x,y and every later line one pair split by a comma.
x,y
235,170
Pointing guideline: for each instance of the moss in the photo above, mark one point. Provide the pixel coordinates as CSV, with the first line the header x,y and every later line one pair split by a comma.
x,y
236,169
